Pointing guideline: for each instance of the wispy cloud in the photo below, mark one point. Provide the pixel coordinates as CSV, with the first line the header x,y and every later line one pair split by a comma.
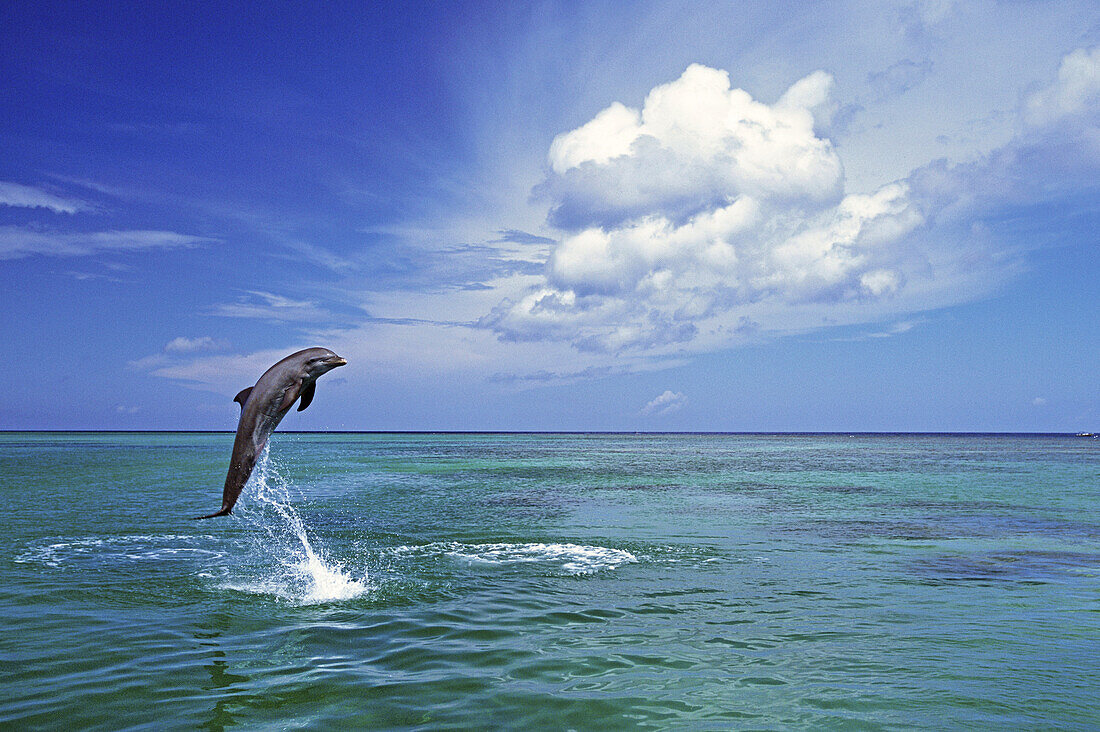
x,y
178,348
88,276
223,373
516,236
302,251
18,242
898,328
150,362
17,195
165,129
898,78
270,306
183,344
545,375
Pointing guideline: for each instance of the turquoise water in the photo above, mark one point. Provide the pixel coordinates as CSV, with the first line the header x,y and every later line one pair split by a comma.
x,y
552,581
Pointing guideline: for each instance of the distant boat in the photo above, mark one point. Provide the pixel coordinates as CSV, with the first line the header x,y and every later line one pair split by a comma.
x,y
1087,434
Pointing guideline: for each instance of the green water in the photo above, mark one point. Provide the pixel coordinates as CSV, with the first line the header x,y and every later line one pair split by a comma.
x,y
552,582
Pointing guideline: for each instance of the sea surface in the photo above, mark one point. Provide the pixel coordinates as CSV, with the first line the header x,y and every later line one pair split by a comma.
x,y
546,581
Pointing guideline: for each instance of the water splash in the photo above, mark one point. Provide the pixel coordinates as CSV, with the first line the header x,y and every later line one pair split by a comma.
x,y
295,567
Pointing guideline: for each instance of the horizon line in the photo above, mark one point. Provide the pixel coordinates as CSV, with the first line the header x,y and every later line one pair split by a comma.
x,y
574,432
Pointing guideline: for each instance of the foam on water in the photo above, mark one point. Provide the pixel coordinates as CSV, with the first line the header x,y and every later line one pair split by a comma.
x,y
60,551
571,558
291,565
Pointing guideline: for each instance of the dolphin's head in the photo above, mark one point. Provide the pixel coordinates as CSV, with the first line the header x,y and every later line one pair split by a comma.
x,y
317,361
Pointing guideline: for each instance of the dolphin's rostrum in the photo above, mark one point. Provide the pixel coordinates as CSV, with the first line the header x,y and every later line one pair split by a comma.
x,y
264,405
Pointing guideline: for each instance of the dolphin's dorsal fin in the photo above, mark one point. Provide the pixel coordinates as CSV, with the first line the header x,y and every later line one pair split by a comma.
x,y
307,395
243,396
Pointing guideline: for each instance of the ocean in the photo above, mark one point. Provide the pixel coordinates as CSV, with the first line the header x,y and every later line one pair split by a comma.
x,y
552,581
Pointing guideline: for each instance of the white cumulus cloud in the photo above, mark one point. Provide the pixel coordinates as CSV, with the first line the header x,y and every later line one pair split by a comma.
x,y
695,144
704,203
665,403
707,216
1075,91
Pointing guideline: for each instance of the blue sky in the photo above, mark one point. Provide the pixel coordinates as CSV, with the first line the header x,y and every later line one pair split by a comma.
x,y
554,216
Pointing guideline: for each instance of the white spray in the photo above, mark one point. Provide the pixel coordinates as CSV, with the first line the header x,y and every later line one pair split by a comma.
x,y
302,573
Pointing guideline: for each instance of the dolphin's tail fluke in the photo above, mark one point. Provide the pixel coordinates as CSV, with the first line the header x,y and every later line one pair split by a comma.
x,y
225,509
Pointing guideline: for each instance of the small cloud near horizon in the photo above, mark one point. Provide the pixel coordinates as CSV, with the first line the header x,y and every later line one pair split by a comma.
x,y
665,403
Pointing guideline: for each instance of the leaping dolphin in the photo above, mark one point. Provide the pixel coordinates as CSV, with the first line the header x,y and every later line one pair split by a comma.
x,y
264,405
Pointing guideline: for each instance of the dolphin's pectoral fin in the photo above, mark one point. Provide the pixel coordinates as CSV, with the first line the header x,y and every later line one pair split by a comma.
x,y
307,395
291,394
242,397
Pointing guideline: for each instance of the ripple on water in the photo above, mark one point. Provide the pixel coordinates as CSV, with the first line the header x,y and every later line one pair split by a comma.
x,y
1006,566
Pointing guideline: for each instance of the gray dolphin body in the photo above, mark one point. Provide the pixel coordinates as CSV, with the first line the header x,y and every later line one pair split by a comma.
x,y
264,405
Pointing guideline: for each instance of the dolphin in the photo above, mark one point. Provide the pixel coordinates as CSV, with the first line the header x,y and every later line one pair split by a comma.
x,y
264,405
